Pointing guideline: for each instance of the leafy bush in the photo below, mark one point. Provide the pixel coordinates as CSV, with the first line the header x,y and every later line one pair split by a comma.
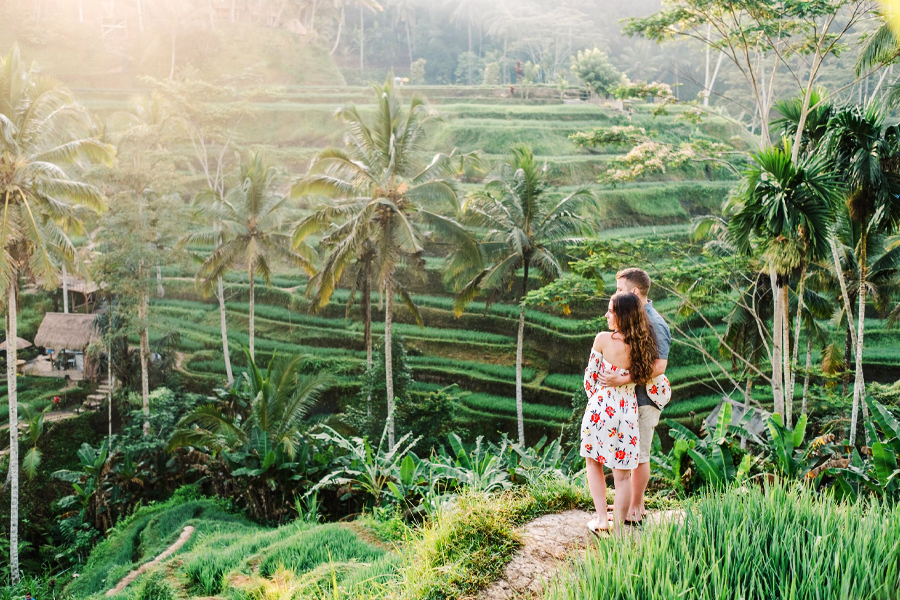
x,y
428,418
592,67
368,414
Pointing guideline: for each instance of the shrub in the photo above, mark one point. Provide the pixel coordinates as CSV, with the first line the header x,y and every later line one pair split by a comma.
x,y
429,417
155,586
369,413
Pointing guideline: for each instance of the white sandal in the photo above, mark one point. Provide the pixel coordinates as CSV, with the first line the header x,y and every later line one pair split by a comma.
x,y
594,526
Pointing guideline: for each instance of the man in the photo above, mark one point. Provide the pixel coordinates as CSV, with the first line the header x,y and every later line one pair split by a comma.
x,y
637,282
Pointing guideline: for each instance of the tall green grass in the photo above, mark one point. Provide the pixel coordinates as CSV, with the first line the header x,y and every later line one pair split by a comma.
x,y
785,541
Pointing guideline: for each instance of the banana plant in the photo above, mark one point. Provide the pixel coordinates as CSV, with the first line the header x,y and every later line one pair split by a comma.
x,y
527,464
881,475
480,468
712,453
34,420
370,469
671,465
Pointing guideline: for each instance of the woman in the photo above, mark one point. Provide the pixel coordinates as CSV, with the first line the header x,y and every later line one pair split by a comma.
x,y
609,429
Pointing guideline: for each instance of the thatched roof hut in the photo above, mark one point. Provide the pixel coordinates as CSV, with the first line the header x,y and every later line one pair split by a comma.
x,y
62,331
79,285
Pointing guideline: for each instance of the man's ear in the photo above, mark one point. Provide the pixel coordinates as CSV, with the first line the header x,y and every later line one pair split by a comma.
x,y
636,292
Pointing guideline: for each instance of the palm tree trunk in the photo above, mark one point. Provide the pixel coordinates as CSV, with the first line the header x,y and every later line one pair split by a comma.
x,y
65,282
748,390
362,40
145,359
367,324
520,339
252,310
845,295
81,11
312,16
777,339
140,14
469,57
848,356
388,359
11,333
801,285
172,67
224,325
858,386
806,375
337,39
786,352
409,42
160,290
109,386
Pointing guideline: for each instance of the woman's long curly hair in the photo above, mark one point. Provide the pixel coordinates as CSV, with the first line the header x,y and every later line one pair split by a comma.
x,y
634,326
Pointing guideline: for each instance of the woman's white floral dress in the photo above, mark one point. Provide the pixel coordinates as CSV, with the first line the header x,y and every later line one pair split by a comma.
x,y
609,429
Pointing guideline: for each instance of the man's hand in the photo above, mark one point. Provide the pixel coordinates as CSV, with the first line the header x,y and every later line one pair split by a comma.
x,y
609,379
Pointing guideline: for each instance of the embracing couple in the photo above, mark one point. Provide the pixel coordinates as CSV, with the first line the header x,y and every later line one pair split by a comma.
x,y
627,388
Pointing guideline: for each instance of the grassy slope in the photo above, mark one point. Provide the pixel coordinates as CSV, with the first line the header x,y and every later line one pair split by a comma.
x,y
225,553
454,554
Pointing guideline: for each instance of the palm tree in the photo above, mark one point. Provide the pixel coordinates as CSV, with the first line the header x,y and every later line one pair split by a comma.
x,y
786,210
405,12
379,186
280,399
257,426
525,228
341,5
466,11
882,282
250,232
39,138
867,155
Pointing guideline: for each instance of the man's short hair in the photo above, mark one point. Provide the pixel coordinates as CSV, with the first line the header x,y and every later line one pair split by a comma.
x,y
637,277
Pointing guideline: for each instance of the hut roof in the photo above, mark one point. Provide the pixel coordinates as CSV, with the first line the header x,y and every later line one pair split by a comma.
x,y
61,331
77,284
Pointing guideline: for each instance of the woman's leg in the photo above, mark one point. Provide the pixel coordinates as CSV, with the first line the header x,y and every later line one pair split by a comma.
x,y
597,486
622,502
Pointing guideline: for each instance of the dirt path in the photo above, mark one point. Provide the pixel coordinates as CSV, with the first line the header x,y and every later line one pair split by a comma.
x,y
50,417
547,542
182,539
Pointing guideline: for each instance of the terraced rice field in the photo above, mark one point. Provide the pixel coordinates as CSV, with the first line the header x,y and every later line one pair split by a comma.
x,y
476,351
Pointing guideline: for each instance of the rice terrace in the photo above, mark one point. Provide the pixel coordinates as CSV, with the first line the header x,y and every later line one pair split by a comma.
x,y
421,299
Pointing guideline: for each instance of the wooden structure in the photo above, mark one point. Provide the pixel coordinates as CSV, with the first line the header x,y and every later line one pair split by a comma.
x,y
77,285
70,333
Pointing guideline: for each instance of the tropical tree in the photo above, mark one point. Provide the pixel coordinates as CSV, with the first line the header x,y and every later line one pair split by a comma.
x,y
257,426
526,228
341,5
785,209
41,136
866,153
381,193
251,232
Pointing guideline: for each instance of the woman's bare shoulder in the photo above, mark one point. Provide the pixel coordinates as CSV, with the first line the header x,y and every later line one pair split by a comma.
x,y
601,340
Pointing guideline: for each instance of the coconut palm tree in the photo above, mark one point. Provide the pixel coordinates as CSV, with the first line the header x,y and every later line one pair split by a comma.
x,y
40,138
866,153
383,194
785,209
341,6
250,232
526,228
